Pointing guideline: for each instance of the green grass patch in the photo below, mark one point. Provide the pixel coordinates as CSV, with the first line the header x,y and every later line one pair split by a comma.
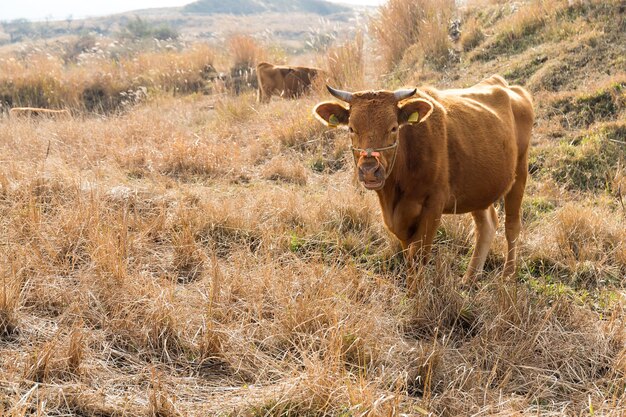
x,y
536,208
584,110
589,162
513,40
521,74
591,165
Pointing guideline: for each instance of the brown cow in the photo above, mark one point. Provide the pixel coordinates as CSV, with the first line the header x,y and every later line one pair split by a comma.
x,y
282,80
428,152
37,111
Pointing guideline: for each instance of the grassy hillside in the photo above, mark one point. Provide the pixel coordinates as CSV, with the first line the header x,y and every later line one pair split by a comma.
x,y
194,253
287,24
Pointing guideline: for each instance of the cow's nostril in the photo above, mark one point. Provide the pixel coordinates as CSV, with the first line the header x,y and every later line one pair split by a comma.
x,y
369,169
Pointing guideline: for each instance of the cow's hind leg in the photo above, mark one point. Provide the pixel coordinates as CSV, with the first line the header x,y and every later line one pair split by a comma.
x,y
513,222
263,95
486,222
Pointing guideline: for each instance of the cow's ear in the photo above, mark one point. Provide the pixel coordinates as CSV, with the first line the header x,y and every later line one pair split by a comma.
x,y
415,111
331,113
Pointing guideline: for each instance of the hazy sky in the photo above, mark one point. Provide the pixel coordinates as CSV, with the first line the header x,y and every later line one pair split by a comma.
x,y
60,9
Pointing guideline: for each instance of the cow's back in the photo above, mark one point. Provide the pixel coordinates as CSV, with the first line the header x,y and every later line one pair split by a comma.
x,y
482,141
298,80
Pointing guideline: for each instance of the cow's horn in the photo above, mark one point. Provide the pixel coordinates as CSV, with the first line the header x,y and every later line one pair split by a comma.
x,y
341,95
404,93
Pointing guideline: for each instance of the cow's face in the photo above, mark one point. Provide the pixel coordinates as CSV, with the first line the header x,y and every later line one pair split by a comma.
x,y
374,120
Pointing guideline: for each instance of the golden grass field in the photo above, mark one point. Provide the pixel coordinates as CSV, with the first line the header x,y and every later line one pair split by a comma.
x,y
190,254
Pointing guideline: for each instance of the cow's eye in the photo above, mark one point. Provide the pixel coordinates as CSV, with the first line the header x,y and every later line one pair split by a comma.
x,y
394,129
350,130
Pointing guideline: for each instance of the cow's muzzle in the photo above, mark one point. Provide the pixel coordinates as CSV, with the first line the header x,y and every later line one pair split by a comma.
x,y
370,169
371,173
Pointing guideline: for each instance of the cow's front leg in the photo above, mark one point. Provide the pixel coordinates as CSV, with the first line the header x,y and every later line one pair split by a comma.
x,y
419,244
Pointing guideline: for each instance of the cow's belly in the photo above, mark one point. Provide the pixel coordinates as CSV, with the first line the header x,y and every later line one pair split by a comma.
x,y
480,179
466,203
471,196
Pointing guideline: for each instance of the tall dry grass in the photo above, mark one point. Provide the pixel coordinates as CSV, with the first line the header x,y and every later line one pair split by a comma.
x,y
402,24
97,82
245,51
345,63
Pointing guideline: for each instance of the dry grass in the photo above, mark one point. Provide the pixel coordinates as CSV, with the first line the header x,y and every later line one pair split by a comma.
x,y
345,64
472,34
197,291
9,298
206,255
101,80
285,169
245,51
401,24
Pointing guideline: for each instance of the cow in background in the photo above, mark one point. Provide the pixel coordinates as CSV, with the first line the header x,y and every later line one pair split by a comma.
x,y
284,81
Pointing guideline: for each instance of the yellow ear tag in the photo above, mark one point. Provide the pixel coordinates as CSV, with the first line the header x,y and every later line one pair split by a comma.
x,y
414,117
333,121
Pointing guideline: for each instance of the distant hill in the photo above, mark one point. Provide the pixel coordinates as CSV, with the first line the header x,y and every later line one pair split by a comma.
x,y
245,7
289,23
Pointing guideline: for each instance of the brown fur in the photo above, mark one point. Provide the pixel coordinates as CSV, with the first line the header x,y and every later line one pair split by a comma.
x,y
37,111
469,148
284,81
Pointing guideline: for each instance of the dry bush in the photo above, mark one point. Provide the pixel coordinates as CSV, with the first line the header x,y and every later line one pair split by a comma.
x,y
189,258
345,63
245,51
482,3
208,159
160,402
296,128
403,23
592,161
235,110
